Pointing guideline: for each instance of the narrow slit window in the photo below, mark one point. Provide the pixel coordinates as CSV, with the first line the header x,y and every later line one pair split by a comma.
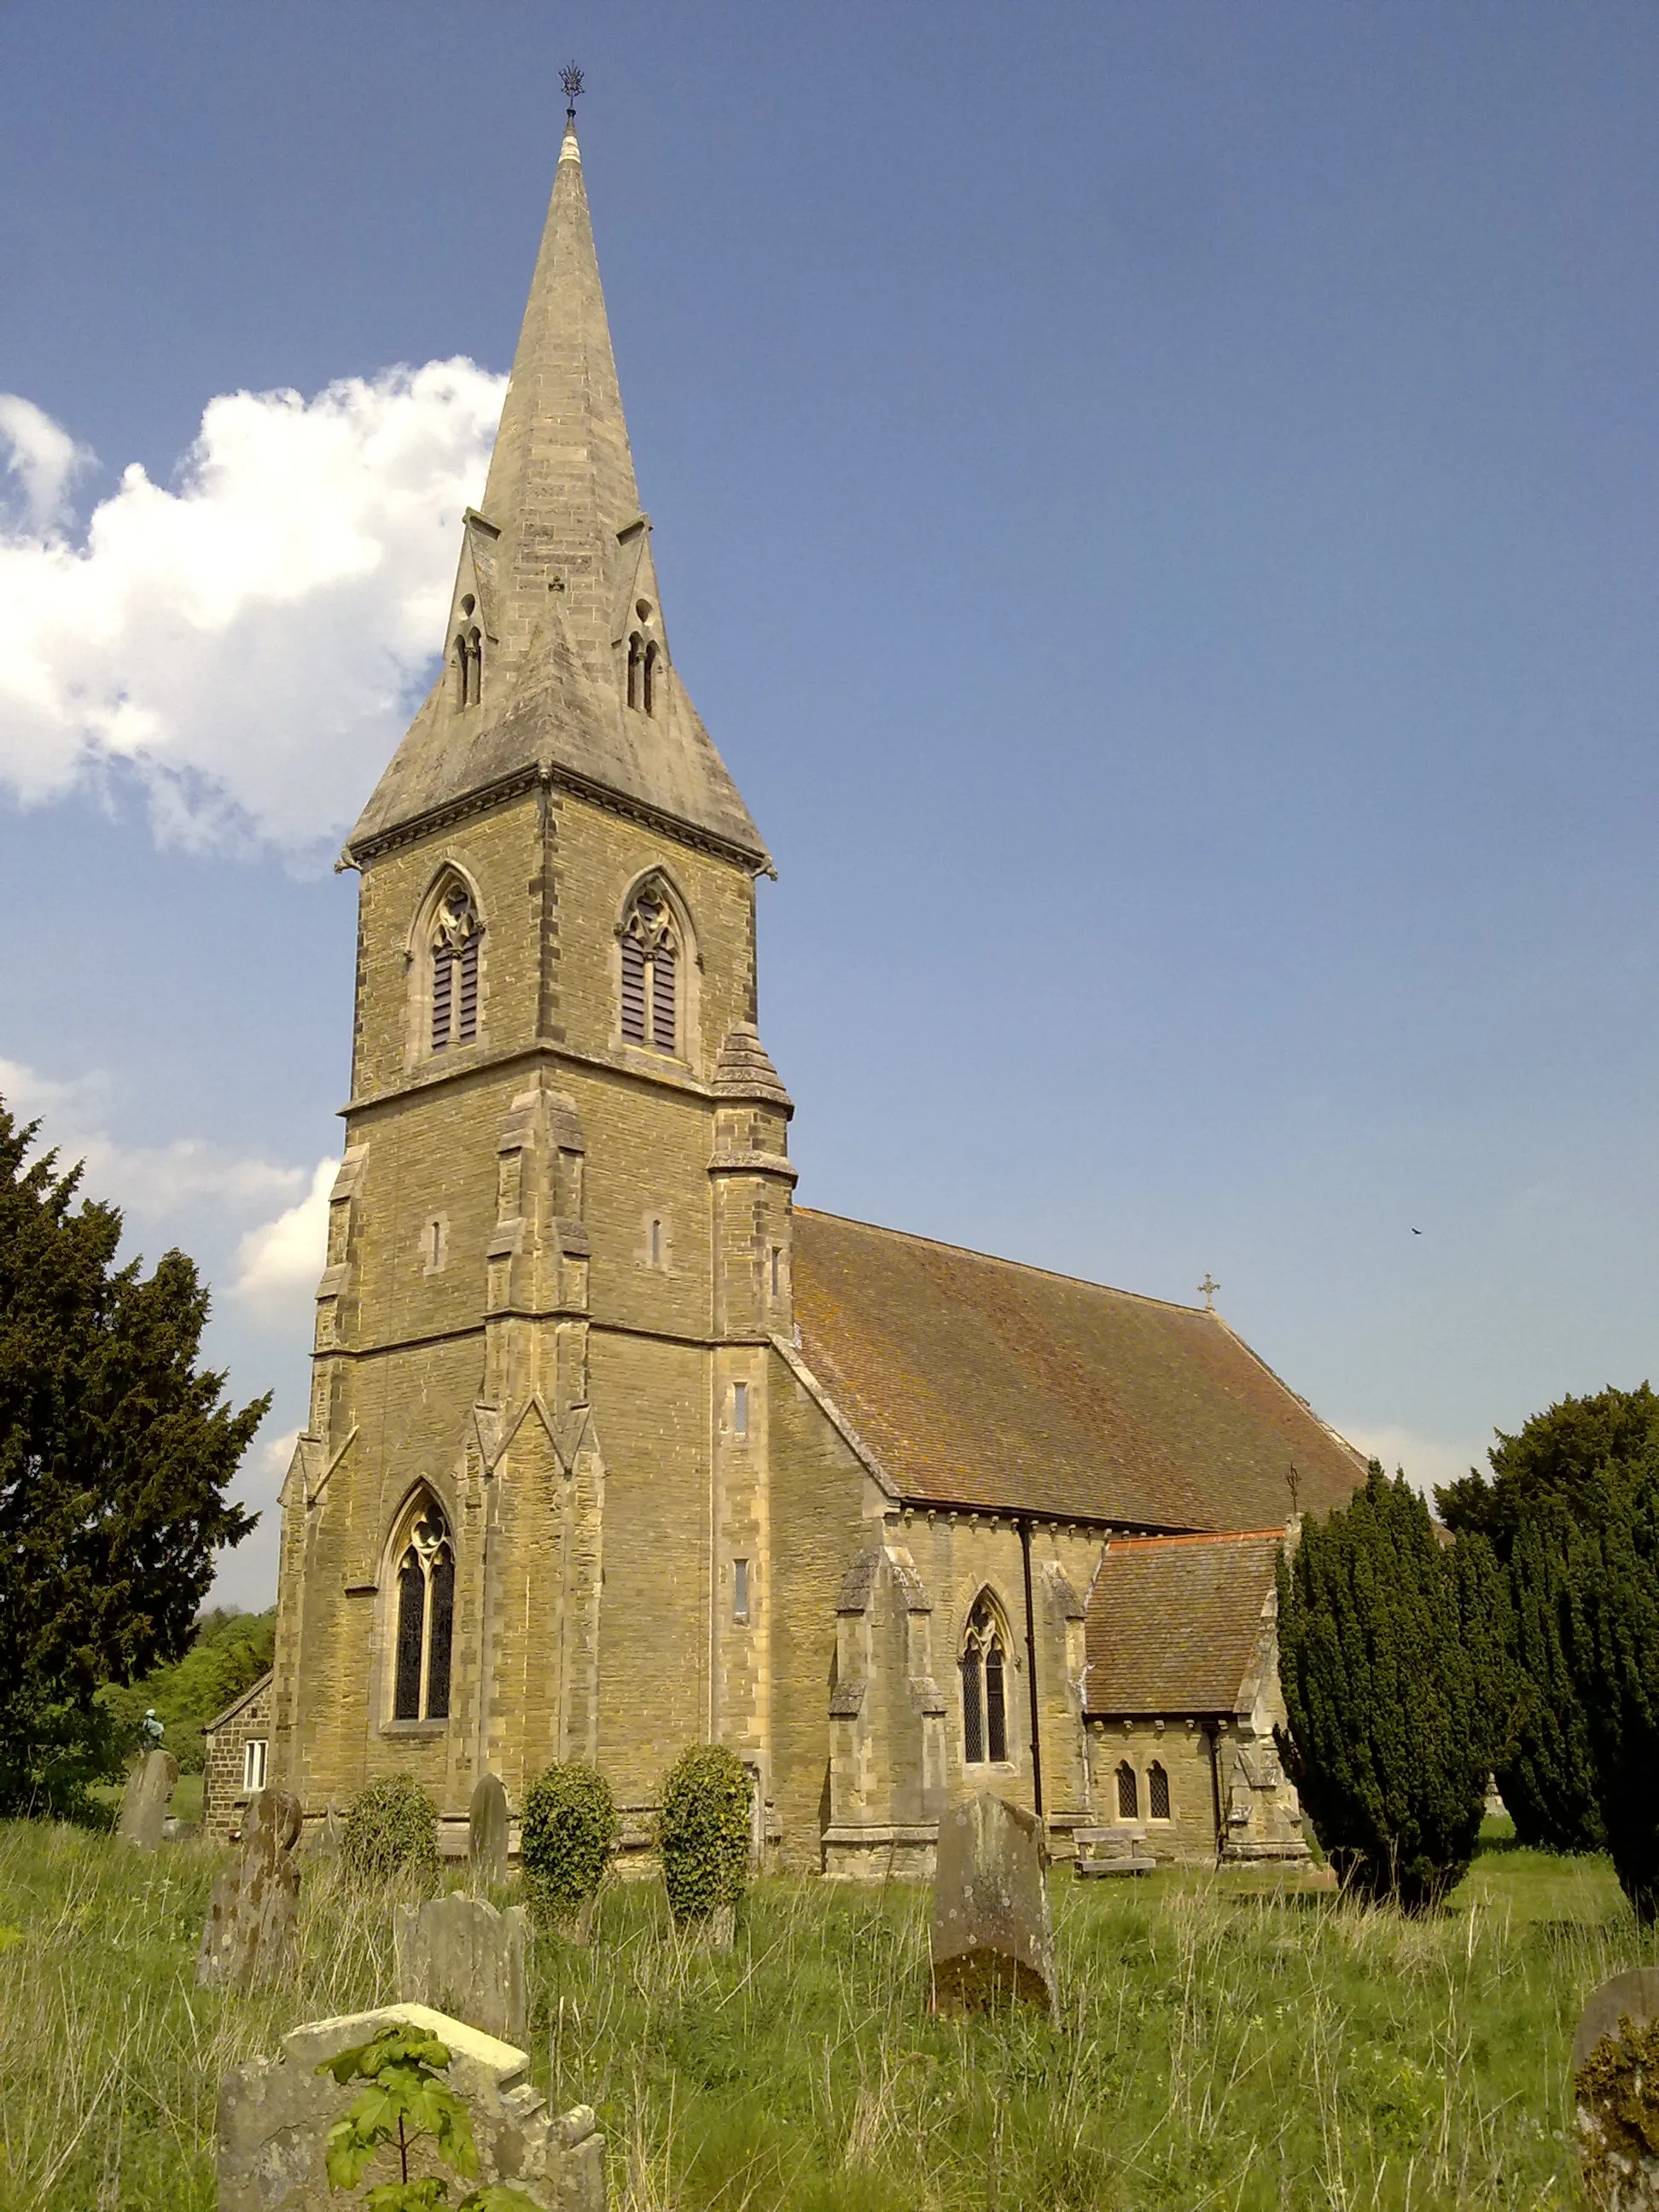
x,y
254,1762
634,657
973,1708
1157,1792
777,1265
1128,1793
648,688
739,1409
656,1243
739,1590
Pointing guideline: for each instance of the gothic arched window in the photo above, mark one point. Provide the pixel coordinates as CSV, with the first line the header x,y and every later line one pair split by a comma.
x,y
1128,1793
1157,1792
469,665
650,971
635,653
453,951
984,1688
426,1619
648,692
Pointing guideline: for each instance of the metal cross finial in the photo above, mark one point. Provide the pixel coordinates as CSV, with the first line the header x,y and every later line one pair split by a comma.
x,y
1294,1482
1209,1289
571,78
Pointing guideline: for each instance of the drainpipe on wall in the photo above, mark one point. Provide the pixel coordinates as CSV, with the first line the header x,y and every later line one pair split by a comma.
x,y
1030,1668
1215,1788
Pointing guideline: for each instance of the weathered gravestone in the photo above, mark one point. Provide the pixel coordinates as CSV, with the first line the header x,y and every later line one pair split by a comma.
x,y
145,1800
991,1935
486,1830
274,2118
460,1955
249,1940
1615,2080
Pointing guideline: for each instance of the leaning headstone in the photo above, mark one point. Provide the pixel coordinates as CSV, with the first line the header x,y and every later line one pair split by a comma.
x,y
486,1830
145,1800
992,1939
460,1955
274,2115
1615,2082
249,1940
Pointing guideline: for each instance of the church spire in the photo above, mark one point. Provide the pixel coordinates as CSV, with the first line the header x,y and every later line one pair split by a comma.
x,y
556,654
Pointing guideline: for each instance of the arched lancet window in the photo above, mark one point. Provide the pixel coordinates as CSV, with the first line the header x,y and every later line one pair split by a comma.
x,y
1157,1792
454,950
636,655
648,691
650,971
469,667
1128,1793
984,1688
426,1619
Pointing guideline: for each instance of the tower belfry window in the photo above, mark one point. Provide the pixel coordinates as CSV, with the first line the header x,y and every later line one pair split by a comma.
x,y
635,656
425,1619
650,973
649,688
456,932
984,1688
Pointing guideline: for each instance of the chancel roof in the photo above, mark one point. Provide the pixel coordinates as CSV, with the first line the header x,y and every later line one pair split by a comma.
x,y
554,570
1174,1623
980,1383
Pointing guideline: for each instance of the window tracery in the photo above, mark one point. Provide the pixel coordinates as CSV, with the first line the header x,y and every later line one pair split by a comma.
x,y
983,1666
650,971
426,1619
456,932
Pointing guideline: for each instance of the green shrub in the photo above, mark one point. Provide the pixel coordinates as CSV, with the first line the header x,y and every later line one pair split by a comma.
x,y
703,1831
1391,1659
568,1827
389,1827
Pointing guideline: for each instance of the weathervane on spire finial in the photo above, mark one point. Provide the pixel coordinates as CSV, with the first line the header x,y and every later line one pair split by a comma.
x,y
571,78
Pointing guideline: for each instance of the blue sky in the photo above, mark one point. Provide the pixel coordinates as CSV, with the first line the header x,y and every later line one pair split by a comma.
x,y
1155,506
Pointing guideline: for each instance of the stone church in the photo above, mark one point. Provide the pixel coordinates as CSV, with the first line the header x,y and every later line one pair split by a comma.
x,y
611,1447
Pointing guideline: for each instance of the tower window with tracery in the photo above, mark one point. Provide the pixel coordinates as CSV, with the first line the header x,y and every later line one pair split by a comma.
x,y
456,932
650,973
984,1690
425,1619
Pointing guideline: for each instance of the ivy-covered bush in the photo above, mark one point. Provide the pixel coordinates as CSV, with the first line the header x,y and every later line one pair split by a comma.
x,y
569,1826
389,1827
703,1831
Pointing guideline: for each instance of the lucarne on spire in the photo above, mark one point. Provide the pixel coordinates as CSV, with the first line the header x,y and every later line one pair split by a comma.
x,y
556,657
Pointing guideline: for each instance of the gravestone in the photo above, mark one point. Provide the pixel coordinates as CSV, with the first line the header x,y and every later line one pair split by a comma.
x,y
274,2118
1615,2080
249,1939
459,1954
991,1936
486,1830
145,1800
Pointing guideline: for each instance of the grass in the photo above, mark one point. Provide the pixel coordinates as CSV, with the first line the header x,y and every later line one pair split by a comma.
x,y
1221,2044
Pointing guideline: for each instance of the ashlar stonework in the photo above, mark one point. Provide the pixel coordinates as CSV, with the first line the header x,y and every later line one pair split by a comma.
x,y
274,2117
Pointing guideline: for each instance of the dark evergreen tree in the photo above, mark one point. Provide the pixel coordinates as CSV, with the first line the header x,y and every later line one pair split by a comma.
x,y
1551,1465
1547,1768
1613,1643
116,1452
1390,1658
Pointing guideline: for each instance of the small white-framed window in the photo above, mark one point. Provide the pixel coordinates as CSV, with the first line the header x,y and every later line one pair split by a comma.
x,y
254,1753
739,1590
739,1409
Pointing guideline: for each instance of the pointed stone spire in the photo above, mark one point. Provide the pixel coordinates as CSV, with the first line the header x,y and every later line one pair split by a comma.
x,y
556,658
561,482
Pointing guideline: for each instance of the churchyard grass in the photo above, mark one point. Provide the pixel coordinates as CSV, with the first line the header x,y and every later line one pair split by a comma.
x,y
1225,2042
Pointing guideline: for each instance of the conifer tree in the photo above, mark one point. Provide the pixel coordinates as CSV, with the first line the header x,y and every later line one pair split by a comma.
x,y
1612,1577
116,1452
1389,1644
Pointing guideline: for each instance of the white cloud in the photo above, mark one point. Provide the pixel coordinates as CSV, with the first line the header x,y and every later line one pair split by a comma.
x,y
250,643
277,1264
45,459
1427,1460
146,1181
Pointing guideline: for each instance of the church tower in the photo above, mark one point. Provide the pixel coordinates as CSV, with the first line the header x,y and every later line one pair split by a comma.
x,y
528,1517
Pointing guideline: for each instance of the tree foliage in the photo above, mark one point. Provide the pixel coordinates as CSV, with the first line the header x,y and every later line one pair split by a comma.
x,y
1551,1466
405,2098
1612,1575
568,1827
703,1831
116,1454
230,1652
1390,1653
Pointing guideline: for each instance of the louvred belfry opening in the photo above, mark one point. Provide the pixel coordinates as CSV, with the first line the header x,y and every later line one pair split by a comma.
x,y
454,954
650,972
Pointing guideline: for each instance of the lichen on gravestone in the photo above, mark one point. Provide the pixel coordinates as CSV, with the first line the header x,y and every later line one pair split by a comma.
x,y
992,1940
249,1940
1615,2079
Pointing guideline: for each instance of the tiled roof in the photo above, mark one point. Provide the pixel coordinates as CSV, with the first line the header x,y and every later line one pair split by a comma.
x,y
1174,1622
982,1383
